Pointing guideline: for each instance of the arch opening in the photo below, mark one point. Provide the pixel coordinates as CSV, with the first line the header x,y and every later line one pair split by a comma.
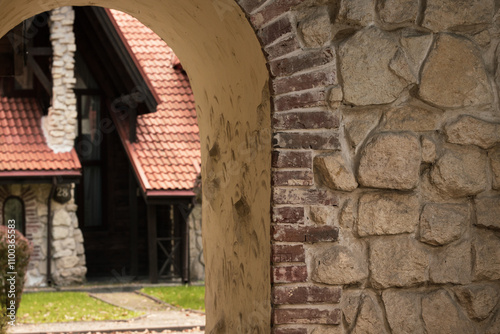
x,y
228,74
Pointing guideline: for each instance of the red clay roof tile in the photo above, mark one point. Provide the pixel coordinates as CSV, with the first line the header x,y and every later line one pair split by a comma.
x,y
22,148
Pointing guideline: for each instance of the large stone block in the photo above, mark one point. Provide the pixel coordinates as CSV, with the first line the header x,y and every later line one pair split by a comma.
x,y
478,299
316,29
392,161
68,243
454,74
61,217
360,12
364,64
397,11
487,255
468,130
445,14
461,172
441,224
488,212
67,262
370,318
397,261
415,116
403,310
442,316
358,124
341,265
60,232
335,172
387,213
452,264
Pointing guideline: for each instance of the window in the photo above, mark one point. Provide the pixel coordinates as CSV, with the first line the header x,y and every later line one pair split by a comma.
x,y
89,148
13,208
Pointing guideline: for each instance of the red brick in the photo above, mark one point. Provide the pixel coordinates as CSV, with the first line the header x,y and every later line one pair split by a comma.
x,y
325,77
282,48
291,159
304,196
275,30
305,120
306,316
288,253
288,215
293,178
305,295
289,330
302,100
297,233
249,5
312,140
305,60
289,274
272,11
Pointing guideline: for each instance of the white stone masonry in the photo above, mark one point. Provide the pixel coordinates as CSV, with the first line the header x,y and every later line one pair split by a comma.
x,y
60,124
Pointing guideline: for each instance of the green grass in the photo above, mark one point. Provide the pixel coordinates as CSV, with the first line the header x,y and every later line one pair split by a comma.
x,y
43,307
187,297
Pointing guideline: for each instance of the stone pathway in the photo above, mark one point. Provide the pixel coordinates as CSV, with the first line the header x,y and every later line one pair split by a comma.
x,y
131,301
158,318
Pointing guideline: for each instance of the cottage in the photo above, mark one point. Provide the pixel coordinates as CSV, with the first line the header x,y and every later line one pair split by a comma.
x,y
103,185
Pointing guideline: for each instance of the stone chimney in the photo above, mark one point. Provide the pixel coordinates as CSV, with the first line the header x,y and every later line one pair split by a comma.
x,y
59,126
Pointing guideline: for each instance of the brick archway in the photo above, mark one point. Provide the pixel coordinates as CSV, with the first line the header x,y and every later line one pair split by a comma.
x,y
32,220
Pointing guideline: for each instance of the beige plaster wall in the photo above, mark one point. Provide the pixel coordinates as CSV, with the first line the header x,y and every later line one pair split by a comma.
x,y
223,58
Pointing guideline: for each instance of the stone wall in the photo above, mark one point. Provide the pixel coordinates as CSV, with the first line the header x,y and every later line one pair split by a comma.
x,y
60,124
386,131
67,252
68,255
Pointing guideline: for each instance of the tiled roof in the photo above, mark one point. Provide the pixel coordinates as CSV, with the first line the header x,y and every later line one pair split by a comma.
x,y
166,155
23,150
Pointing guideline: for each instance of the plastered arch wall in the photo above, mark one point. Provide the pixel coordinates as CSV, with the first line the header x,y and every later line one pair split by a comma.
x,y
385,162
223,57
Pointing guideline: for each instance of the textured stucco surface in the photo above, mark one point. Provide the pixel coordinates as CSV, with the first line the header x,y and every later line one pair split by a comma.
x,y
221,53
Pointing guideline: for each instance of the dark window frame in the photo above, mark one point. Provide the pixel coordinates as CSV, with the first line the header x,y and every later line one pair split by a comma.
x,y
23,206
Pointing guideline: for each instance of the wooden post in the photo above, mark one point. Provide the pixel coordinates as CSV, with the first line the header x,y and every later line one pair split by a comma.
x,y
134,253
153,249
